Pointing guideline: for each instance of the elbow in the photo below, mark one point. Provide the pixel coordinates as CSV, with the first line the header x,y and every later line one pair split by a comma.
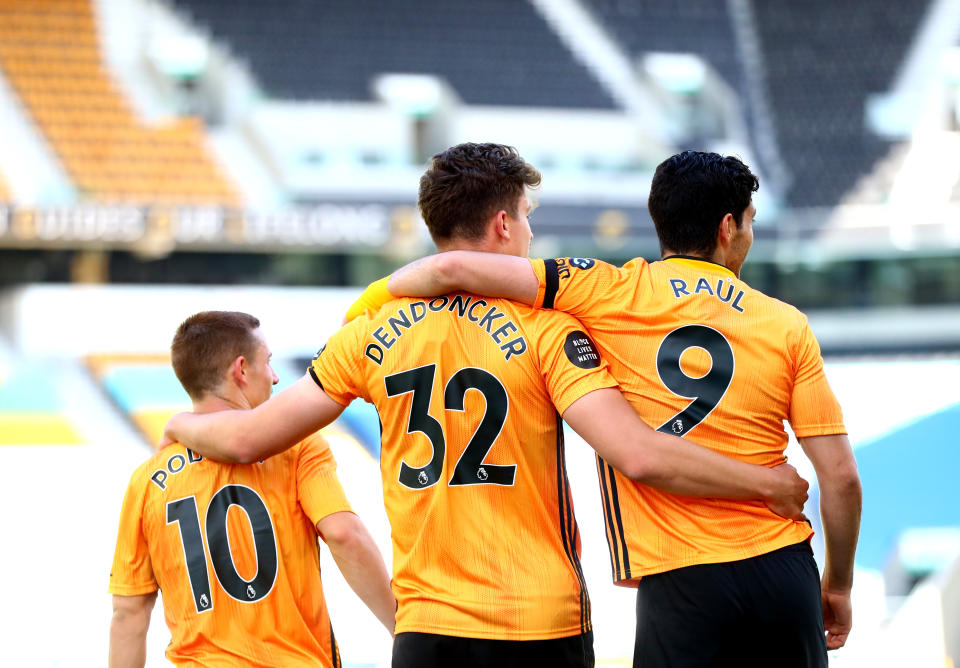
x,y
843,480
446,269
641,468
340,532
243,455
241,450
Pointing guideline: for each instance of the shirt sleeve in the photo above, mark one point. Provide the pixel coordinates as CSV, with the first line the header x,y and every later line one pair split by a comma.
x,y
814,410
132,570
570,362
318,488
576,285
337,367
373,297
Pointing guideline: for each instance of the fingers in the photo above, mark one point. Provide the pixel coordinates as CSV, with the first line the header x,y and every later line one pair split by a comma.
x,y
836,640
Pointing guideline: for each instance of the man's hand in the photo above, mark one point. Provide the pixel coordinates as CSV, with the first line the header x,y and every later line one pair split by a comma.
x,y
169,430
837,616
789,493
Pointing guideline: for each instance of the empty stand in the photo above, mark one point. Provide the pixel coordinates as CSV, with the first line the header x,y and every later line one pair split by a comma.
x,y
700,27
50,54
822,60
144,387
496,52
31,409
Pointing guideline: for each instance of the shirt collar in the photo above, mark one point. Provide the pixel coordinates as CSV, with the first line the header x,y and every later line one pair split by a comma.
x,y
699,263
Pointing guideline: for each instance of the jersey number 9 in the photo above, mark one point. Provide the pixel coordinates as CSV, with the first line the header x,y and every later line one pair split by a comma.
x,y
707,390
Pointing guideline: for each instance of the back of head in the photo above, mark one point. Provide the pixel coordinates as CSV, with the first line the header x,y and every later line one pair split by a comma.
x,y
690,194
206,344
468,183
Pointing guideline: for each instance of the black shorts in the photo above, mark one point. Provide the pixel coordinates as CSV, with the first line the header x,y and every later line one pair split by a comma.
x,y
429,650
764,611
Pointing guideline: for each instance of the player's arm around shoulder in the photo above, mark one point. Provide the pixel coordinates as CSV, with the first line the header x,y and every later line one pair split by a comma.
x,y
487,274
250,435
128,630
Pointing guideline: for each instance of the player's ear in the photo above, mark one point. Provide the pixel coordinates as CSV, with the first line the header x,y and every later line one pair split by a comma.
x,y
238,371
728,228
501,225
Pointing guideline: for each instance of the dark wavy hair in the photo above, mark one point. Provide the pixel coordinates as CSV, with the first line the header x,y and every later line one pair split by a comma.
x,y
691,193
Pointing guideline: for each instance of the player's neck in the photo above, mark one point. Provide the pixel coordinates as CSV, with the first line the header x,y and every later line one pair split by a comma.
x,y
715,258
483,245
219,401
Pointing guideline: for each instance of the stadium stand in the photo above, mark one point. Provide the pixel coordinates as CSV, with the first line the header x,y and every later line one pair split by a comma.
x,y
144,387
822,60
496,52
31,409
50,54
701,27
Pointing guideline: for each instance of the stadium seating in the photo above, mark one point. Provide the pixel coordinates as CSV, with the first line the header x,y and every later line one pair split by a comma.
x,y
31,410
50,54
701,27
144,387
822,60
497,52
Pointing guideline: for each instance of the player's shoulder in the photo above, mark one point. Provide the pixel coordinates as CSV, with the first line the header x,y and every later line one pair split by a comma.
x,y
777,307
566,267
160,465
315,442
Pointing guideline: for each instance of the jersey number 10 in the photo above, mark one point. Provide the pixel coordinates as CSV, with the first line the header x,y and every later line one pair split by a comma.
x,y
184,513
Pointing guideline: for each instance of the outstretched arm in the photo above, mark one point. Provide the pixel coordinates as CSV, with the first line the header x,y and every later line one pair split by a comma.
x,y
840,504
361,563
244,436
609,424
128,630
487,274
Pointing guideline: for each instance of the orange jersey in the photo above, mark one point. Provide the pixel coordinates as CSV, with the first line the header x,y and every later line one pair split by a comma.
x,y
702,355
234,550
485,544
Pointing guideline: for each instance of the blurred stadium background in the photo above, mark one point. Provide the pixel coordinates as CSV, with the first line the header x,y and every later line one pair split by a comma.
x,y
162,157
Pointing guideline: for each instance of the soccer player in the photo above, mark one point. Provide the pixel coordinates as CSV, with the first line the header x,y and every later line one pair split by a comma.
x,y
234,547
470,393
702,355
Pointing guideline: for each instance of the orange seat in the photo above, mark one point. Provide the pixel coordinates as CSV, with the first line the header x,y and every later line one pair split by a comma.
x,y
49,52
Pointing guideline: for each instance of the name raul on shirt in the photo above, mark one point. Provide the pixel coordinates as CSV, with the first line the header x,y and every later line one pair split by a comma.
x,y
722,290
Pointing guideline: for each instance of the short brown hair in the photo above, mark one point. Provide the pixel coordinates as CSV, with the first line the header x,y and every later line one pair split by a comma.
x,y
468,183
206,344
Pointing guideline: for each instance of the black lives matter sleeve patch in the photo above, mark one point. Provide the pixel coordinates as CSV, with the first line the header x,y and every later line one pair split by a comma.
x,y
581,351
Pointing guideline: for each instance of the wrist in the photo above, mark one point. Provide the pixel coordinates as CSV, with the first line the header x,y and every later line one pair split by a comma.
x,y
835,585
772,485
